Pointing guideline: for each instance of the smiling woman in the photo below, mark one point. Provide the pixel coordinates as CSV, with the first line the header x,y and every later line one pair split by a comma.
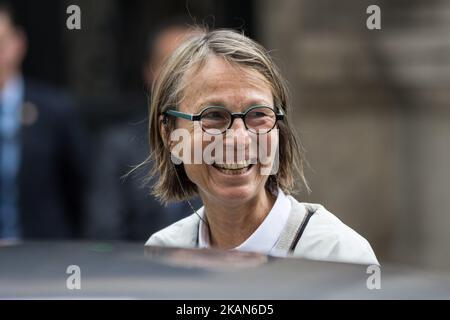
x,y
223,84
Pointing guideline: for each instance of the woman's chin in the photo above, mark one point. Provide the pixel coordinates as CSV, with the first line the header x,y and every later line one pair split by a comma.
x,y
233,195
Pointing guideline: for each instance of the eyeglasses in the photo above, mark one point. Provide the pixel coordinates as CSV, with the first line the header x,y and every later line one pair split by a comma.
x,y
217,120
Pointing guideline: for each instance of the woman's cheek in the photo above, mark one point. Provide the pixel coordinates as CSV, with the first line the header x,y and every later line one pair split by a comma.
x,y
266,149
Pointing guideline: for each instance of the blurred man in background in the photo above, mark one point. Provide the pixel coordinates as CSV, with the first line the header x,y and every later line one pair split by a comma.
x,y
41,149
121,208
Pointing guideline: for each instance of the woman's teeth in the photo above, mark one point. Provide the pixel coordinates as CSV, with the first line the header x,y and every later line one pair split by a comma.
x,y
233,168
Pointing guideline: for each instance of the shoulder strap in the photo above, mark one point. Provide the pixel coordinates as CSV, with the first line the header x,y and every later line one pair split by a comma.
x,y
294,229
300,231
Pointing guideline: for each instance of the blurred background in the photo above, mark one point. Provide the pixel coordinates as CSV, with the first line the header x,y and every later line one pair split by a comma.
x,y
372,108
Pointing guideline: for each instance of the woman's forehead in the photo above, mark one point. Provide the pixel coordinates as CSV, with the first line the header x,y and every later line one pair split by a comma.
x,y
219,81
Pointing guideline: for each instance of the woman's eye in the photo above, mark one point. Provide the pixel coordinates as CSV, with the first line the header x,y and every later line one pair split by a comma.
x,y
214,115
257,114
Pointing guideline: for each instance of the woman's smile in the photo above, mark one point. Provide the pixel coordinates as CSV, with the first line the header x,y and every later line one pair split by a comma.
x,y
235,169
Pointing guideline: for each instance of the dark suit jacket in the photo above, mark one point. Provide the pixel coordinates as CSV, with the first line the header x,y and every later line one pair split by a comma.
x,y
53,165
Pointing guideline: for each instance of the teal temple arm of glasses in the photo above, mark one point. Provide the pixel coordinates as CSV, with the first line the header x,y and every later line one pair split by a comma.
x,y
183,115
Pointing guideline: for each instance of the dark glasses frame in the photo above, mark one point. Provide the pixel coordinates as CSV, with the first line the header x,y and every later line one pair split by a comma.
x,y
233,115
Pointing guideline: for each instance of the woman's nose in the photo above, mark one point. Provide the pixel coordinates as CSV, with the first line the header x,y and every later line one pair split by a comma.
x,y
239,132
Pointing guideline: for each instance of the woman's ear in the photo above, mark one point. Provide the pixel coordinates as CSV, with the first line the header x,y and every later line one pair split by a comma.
x,y
165,135
163,128
165,132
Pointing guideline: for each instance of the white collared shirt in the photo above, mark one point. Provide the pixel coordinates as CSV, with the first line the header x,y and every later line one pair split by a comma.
x,y
265,237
